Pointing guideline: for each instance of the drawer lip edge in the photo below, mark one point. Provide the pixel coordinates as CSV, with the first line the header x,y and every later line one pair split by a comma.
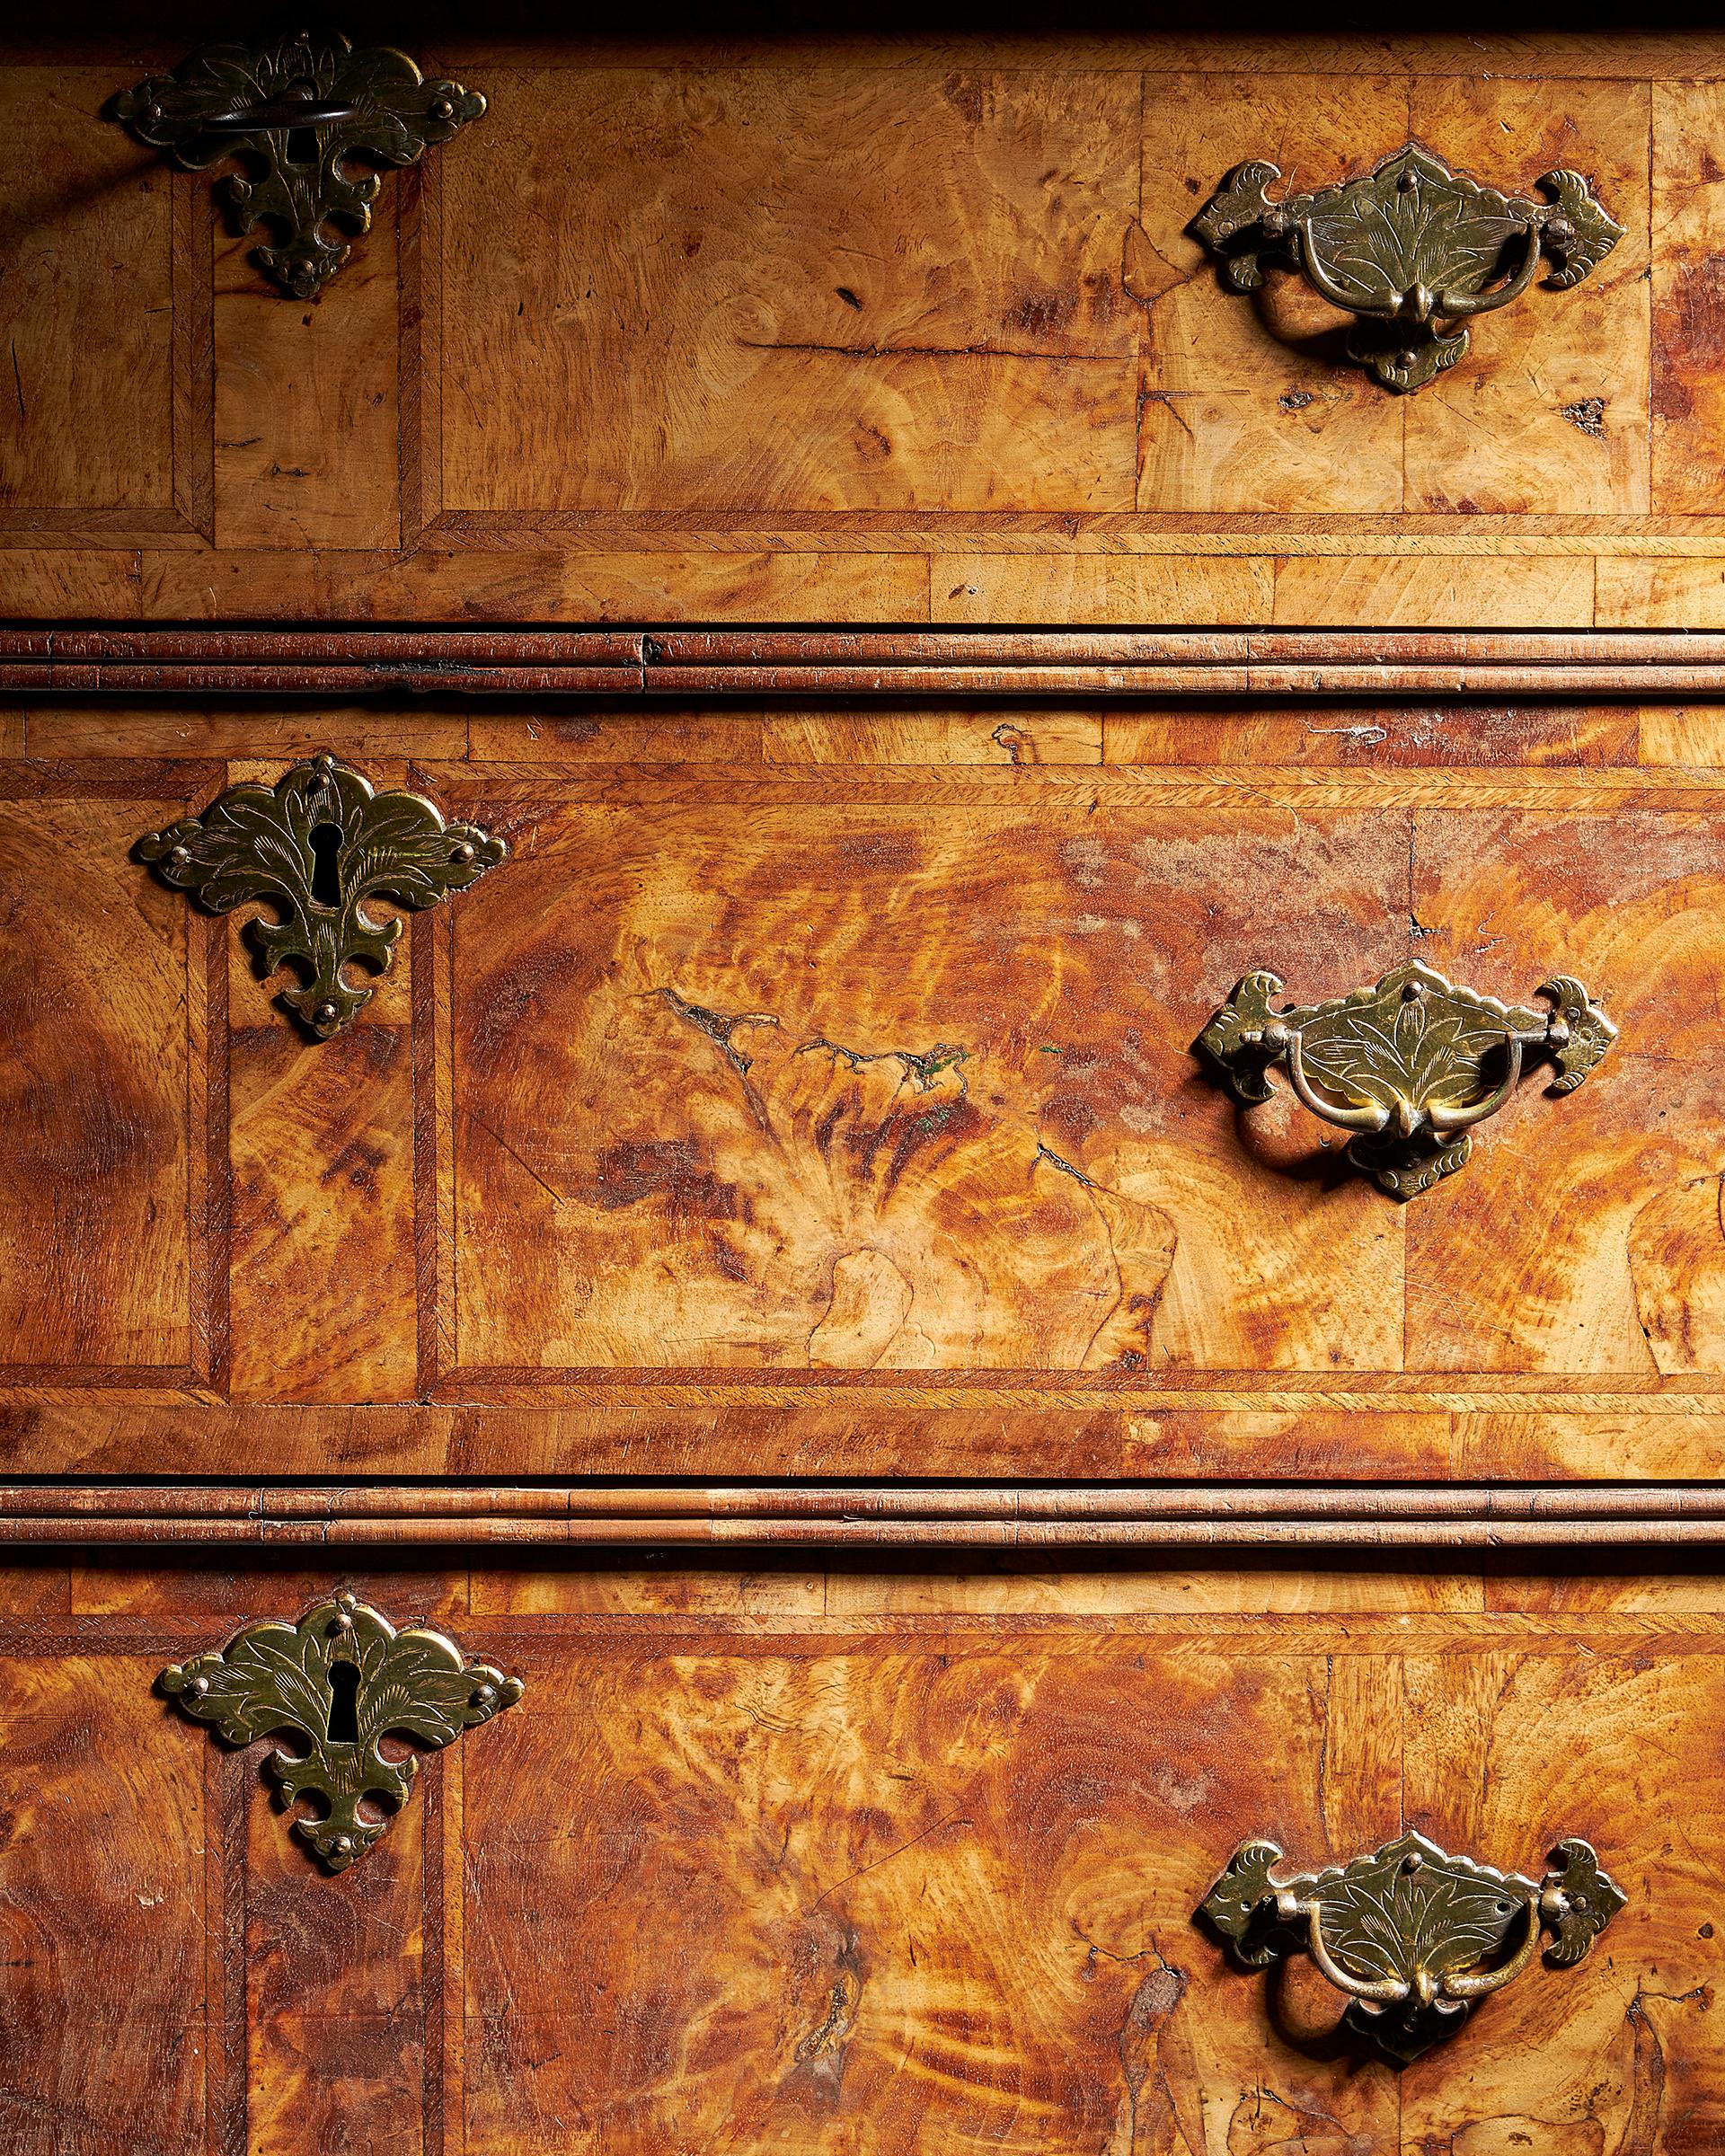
x,y
599,660
1166,1516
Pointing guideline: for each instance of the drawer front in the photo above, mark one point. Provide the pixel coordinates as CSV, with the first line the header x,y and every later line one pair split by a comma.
x,y
902,1854
814,1092
873,330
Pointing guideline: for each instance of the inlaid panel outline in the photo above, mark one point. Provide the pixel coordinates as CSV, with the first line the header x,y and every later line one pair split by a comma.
x,y
206,1096
191,514
948,535
445,1378
231,1792
227,2051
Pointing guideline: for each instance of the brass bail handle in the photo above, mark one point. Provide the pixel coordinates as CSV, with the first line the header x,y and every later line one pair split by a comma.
x,y
1413,1937
288,111
1407,1066
309,200
1412,250
1407,1118
1420,302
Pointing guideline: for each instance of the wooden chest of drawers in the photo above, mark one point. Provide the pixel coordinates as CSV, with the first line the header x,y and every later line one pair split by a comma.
x,y
655,851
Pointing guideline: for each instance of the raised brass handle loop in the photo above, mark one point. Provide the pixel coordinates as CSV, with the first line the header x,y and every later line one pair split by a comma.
x,y
1408,1066
1412,250
1409,1118
1419,303
277,113
1455,305
1410,1935
1425,1985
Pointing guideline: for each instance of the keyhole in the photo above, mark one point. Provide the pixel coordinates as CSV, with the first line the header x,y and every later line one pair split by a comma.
x,y
301,145
326,848
344,1704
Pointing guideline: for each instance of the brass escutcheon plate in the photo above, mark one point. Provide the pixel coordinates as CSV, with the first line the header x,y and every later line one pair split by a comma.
x,y
341,1679
296,111
316,845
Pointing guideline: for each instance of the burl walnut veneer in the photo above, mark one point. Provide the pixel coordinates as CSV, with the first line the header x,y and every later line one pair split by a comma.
x,y
712,1518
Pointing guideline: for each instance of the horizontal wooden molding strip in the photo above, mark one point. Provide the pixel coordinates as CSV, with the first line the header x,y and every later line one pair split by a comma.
x,y
752,663
1190,1516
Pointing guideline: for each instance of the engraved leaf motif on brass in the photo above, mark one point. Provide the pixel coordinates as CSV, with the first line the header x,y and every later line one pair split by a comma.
x,y
341,1679
317,844
1412,250
1408,1066
296,109
1429,1049
1413,1936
